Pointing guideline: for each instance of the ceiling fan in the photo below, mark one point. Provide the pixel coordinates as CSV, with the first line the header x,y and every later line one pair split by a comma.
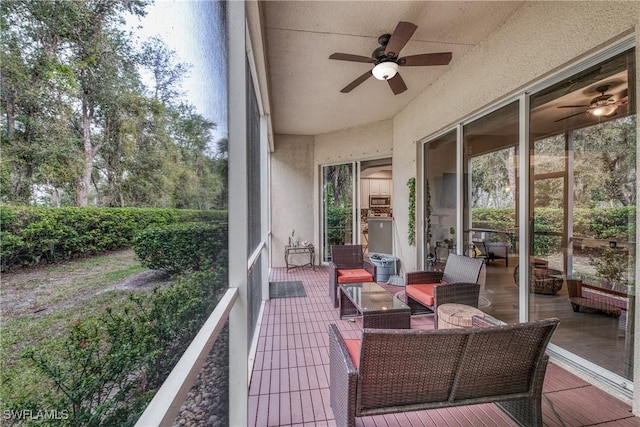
x,y
603,105
386,59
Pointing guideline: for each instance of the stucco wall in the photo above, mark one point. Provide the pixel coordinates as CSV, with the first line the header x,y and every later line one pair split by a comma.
x,y
371,141
292,183
540,38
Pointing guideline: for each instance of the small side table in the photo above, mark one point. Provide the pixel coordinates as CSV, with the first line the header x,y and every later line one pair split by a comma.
x,y
443,247
294,250
455,316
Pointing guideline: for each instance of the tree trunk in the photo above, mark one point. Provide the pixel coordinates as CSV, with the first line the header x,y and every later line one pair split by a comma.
x,y
82,192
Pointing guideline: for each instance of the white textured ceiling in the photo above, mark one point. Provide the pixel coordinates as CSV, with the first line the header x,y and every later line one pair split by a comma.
x,y
305,84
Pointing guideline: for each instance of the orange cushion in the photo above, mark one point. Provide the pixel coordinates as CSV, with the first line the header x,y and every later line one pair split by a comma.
x,y
356,275
353,346
422,293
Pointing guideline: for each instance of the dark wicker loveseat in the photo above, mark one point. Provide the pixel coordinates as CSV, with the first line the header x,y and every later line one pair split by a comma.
x,y
396,370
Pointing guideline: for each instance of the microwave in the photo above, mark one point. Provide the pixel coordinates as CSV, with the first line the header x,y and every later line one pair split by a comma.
x,y
379,201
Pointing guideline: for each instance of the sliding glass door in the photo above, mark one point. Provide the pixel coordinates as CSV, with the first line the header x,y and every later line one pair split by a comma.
x,y
439,199
583,212
556,228
338,206
490,211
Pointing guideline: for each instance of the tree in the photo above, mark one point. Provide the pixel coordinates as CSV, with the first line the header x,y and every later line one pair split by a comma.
x,y
83,125
612,146
166,74
35,93
100,55
493,179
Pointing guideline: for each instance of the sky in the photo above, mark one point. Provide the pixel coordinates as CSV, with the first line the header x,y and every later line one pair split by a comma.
x,y
191,29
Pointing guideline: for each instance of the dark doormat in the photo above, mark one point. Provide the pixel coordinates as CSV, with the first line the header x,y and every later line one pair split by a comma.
x,y
286,289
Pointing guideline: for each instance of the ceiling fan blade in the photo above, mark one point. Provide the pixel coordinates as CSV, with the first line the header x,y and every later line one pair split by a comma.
x,y
621,95
353,58
568,117
397,84
574,106
442,58
400,37
357,82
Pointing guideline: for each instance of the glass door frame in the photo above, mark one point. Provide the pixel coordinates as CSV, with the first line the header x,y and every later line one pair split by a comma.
x,y
355,203
422,243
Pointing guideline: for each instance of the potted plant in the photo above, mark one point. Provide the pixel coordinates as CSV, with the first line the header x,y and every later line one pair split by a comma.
x,y
450,242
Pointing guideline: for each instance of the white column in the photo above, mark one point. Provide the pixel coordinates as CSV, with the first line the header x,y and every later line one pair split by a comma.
x,y
238,236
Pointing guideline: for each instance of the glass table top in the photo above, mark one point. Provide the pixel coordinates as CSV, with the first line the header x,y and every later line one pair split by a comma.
x,y
370,296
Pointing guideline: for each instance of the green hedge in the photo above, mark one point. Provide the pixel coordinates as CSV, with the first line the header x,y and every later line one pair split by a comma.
x,y
495,219
31,235
593,223
183,247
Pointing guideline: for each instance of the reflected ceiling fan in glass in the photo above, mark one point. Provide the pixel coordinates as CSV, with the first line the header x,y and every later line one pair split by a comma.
x,y
603,105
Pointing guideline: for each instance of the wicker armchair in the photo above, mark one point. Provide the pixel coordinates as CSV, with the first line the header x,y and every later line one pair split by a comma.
x,y
458,283
400,370
348,266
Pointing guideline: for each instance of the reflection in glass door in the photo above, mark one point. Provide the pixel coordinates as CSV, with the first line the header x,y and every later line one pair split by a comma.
x,y
338,206
582,214
439,200
490,209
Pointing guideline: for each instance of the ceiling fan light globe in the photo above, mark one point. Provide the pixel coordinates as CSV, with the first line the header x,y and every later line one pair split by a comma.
x,y
603,110
385,70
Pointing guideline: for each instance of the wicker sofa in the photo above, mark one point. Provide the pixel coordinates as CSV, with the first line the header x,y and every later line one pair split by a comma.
x,y
600,298
458,283
396,370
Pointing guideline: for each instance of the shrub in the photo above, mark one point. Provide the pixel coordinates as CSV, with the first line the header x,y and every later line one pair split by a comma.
x,y
338,219
106,369
613,223
496,219
34,234
183,247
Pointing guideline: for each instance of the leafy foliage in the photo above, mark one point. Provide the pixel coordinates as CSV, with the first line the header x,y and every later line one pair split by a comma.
x,y
493,179
33,234
83,128
611,266
338,194
594,223
337,220
183,247
412,211
106,369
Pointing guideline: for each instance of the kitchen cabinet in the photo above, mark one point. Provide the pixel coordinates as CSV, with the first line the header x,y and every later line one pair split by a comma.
x,y
373,187
379,187
364,194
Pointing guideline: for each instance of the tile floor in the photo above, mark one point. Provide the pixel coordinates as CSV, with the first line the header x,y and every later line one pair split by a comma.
x,y
290,386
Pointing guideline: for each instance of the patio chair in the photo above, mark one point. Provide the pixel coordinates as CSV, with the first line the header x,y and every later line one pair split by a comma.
x,y
492,251
348,266
458,283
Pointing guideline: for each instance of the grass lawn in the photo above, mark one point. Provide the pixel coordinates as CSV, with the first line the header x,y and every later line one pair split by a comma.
x,y
38,305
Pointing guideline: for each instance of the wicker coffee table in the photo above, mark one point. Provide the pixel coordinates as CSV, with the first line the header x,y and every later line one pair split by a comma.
x,y
379,308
